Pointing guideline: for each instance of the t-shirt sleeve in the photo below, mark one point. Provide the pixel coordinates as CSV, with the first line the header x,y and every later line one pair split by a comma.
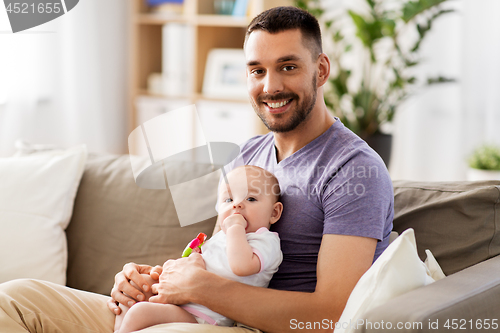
x,y
266,245
358,199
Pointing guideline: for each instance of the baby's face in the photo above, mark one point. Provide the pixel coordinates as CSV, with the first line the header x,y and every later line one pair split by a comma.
x,y
250,194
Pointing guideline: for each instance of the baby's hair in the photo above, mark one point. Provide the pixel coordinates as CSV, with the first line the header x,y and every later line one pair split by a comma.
x,y
275,185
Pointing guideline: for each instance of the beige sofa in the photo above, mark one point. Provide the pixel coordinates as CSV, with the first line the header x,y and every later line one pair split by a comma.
x,y
115,222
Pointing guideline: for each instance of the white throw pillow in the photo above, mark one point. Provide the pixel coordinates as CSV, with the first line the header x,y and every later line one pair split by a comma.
x,y
398,270
37,193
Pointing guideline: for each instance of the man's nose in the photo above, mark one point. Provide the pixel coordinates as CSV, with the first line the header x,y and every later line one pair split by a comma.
x,y
272,83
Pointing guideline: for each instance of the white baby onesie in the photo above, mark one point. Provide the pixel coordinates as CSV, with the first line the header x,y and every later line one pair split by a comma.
x,y
265,244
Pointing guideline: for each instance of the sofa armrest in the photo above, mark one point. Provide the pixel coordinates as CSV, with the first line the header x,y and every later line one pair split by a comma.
x,y
470,296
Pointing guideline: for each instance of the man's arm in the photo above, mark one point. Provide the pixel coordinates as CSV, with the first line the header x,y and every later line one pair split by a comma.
x,y
342,261
126,288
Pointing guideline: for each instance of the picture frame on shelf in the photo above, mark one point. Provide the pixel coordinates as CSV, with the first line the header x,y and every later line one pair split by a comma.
x,y
225,74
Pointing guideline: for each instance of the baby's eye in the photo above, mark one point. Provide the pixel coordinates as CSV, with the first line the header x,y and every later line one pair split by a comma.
x,y
228,200
251,199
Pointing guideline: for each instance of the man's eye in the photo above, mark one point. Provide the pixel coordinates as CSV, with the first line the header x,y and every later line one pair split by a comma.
x,y
257,71
228,200
288,68
251,199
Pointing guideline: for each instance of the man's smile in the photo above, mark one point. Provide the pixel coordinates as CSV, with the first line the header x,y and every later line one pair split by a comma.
x,y
277,106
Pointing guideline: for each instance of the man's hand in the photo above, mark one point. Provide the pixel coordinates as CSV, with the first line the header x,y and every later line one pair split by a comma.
x,y
124,292
178,278
232,220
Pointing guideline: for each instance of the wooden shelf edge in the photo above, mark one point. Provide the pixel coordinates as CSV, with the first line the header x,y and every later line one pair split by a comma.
x,y
220,21
159,19
198,20
194,98
143,92
227,100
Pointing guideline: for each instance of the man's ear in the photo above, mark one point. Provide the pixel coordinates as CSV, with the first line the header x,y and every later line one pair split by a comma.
x,y
276,214
323,64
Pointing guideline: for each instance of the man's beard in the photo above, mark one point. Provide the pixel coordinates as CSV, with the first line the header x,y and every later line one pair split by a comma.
x,y
301,114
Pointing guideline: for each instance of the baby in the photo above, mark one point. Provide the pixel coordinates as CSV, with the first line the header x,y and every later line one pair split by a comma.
x,y
245,250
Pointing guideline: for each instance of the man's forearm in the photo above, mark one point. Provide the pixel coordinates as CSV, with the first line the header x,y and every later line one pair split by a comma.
x,y
266,309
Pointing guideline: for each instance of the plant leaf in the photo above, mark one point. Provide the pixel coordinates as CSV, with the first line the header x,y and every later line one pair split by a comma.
x,y
362,28
368,32
340,82
414,8
440,79
422,29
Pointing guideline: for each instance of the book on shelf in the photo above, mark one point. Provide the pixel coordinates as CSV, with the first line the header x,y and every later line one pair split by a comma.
x,y
167,7
177,53
161,2
240,8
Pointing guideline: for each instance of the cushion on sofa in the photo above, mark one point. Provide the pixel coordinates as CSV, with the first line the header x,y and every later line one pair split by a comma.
x,y
458,221
397,271
115,222
37,192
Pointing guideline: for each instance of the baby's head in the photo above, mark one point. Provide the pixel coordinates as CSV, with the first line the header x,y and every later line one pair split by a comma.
x,y
253,193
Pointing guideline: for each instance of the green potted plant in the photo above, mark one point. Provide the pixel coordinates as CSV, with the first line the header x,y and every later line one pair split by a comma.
x,y
484,163
365,95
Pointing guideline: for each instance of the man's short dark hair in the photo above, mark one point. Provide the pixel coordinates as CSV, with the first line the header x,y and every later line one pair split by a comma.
x,y
280,19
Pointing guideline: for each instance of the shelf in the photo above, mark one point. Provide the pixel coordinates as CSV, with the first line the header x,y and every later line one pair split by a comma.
x,y
194,97
228,100
220,21
199,20
209,31
159,19
144,92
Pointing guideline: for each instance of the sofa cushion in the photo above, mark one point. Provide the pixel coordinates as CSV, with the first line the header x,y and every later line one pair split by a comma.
x,y
458,221
115,222
37,192
398,270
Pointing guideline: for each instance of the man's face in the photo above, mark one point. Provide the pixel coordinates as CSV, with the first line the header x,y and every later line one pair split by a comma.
x,y
281,78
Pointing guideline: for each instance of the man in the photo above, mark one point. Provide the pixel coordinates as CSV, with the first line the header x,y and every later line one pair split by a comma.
x,y
336,192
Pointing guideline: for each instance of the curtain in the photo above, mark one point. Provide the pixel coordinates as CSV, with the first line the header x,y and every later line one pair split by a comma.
x,y
64,82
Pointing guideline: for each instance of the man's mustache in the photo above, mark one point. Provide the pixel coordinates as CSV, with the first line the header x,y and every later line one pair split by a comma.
x,y
277,97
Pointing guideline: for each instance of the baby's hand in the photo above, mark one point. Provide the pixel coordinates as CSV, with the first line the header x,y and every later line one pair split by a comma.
x,y
233,220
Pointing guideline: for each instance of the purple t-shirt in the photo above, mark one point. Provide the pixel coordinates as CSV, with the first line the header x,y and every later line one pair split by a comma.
x,y
336,184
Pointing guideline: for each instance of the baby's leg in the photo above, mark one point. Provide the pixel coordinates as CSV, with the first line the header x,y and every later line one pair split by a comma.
x,y
119,318
146,314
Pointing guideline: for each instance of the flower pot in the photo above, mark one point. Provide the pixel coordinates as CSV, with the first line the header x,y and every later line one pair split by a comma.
x,y
478,174
382,144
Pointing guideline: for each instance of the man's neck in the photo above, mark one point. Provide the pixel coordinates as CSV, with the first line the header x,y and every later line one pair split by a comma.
x,y
288,143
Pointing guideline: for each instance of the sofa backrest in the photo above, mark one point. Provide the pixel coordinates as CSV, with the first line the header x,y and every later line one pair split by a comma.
x,y
114,222
458,221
